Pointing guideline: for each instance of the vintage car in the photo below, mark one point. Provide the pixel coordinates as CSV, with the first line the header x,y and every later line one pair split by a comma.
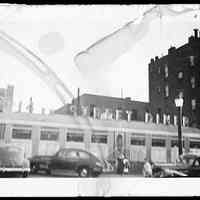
x,y
13,161
68,161
188,165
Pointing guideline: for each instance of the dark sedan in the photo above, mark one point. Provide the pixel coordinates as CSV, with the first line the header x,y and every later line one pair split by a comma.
x,y
187,166
68,160
13,162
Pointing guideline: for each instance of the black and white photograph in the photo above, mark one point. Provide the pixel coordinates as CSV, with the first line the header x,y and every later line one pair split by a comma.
x,y
100,100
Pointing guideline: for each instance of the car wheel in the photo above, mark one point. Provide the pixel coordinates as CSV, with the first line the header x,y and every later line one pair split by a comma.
x,y
83,172
162,174
34,168
49,171
25,174
95,174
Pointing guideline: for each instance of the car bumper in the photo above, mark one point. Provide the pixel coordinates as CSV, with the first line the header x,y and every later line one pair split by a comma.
x,y
9,169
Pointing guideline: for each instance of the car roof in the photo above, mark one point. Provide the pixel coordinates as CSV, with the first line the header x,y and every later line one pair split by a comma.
x,y
74,149
77,149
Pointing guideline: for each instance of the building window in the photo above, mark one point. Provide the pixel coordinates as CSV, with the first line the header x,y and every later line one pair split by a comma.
x,y
191,60
158,142
99,139
21,133
180,94
180,75
193,104
195,144
192,82
166,71
158,89
158,69
138,141
75,137
166,91
168,119
49,135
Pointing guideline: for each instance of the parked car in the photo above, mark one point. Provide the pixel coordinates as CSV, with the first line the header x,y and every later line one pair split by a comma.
x,y
13,161
188,165
68,160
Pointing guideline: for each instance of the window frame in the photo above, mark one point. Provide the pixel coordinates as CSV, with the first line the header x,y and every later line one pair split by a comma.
x,y
28,135
70,135
156,138
98,139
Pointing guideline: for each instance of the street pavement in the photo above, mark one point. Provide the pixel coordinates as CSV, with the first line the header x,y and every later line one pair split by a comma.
x,y
43,174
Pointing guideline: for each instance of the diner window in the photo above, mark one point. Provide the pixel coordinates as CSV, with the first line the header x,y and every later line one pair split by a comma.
x,y
195,144
75,137
158,142
21,133
192,82
174,143
49,135
193,102
180,75
166,71
138,141
166,91
99,139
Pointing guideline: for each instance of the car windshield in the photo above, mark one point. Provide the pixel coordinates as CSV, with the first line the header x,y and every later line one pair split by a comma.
x,y
10,155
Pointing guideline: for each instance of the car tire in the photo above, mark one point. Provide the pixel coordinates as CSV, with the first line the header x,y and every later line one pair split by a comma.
x,y
95,174
25,174
34,168
162,174
49,171
83,172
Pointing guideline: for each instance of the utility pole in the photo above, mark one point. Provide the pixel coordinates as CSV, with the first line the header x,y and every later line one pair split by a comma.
x,y
179,105
122,93
78,102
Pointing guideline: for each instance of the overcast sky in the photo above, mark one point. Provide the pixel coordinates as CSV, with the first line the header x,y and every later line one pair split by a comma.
x,y
58,33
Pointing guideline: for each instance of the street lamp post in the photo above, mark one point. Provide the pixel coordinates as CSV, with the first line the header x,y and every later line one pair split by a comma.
x,y
179,105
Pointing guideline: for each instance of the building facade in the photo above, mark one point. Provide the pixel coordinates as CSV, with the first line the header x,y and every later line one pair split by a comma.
x,y
44,134
176,75
104,107
6,99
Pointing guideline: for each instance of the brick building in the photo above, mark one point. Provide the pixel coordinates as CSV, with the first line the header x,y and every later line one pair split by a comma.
x,y
176,75
104,107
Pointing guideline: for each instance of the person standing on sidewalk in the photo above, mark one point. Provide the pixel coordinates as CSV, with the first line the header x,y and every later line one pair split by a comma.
x,y
126,165
147,169
120,164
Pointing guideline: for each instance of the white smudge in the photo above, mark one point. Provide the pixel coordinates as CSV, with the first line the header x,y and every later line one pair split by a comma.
x,y
110,48
37,65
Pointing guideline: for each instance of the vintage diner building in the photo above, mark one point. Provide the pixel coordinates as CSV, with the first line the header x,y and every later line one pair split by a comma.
x,y
45,134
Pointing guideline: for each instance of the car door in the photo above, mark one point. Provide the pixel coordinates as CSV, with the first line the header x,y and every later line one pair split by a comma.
x,y
71,158
57,163
194,170
85,159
